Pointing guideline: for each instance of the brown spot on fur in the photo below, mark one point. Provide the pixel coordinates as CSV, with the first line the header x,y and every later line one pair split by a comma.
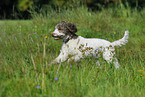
x,y
84,49
86,44
78,41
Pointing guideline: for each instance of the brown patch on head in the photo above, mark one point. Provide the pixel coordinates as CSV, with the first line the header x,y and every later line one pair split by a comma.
x,y
66,27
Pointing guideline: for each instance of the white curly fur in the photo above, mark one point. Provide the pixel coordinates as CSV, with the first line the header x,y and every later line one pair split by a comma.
x,y
78,48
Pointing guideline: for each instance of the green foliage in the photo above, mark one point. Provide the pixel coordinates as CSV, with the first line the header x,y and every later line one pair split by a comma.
x,y
24,4
19,9
26,49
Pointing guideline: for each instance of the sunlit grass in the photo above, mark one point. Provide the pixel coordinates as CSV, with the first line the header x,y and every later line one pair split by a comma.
x,y
26,49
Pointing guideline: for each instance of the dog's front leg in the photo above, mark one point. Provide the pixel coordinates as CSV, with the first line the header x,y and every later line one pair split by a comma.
x,y
74,58
61,58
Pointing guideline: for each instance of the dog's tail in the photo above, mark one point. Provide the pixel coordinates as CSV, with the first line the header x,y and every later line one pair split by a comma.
x,y
122,41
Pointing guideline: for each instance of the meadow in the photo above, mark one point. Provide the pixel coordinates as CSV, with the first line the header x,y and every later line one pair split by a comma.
x,y
26,49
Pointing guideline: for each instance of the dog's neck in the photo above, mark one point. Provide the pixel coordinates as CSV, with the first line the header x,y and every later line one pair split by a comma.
x,y
69,37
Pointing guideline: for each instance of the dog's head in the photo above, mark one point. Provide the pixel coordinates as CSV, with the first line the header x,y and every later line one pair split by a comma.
x,y
64,31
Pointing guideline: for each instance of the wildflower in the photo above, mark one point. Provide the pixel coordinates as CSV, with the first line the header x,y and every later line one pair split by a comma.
x,y
4,33
25,74
140,71
35,32
56,78
96,50
38,86
49,29
70,66
114,32
45,37
106,38
51,32
36,36
30,39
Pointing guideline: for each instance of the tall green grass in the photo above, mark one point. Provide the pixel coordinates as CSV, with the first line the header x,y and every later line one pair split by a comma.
x,y
26,49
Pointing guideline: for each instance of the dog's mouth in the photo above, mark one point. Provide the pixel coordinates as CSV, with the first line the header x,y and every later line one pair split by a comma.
x,y
57,37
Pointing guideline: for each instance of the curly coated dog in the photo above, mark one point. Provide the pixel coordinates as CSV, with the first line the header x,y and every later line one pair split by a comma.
x,y
75,47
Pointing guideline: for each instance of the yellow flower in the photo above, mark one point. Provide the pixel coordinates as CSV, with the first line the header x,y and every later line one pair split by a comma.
x,y
51,32
45,37
114,32
140,71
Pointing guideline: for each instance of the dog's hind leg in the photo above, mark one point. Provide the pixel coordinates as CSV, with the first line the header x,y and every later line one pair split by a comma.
x,y
115,62
110,58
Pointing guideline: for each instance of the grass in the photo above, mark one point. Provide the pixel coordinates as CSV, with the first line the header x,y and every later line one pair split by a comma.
x,y
26,48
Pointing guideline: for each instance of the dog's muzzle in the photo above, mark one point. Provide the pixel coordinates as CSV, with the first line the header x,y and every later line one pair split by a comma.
x,y
56,37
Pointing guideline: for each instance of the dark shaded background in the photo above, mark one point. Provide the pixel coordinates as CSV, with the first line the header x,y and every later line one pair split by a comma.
x,y
20,9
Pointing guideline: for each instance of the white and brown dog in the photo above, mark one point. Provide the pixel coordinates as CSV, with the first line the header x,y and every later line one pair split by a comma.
x,y
76,47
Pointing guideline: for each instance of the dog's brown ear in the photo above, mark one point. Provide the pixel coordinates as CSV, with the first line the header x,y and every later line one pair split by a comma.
x,y
72,27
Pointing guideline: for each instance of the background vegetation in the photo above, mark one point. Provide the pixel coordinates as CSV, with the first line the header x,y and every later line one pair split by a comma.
x,y
26,49
20,9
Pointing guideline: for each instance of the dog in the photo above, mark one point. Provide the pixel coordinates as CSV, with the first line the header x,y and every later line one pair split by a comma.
x,y
76,47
